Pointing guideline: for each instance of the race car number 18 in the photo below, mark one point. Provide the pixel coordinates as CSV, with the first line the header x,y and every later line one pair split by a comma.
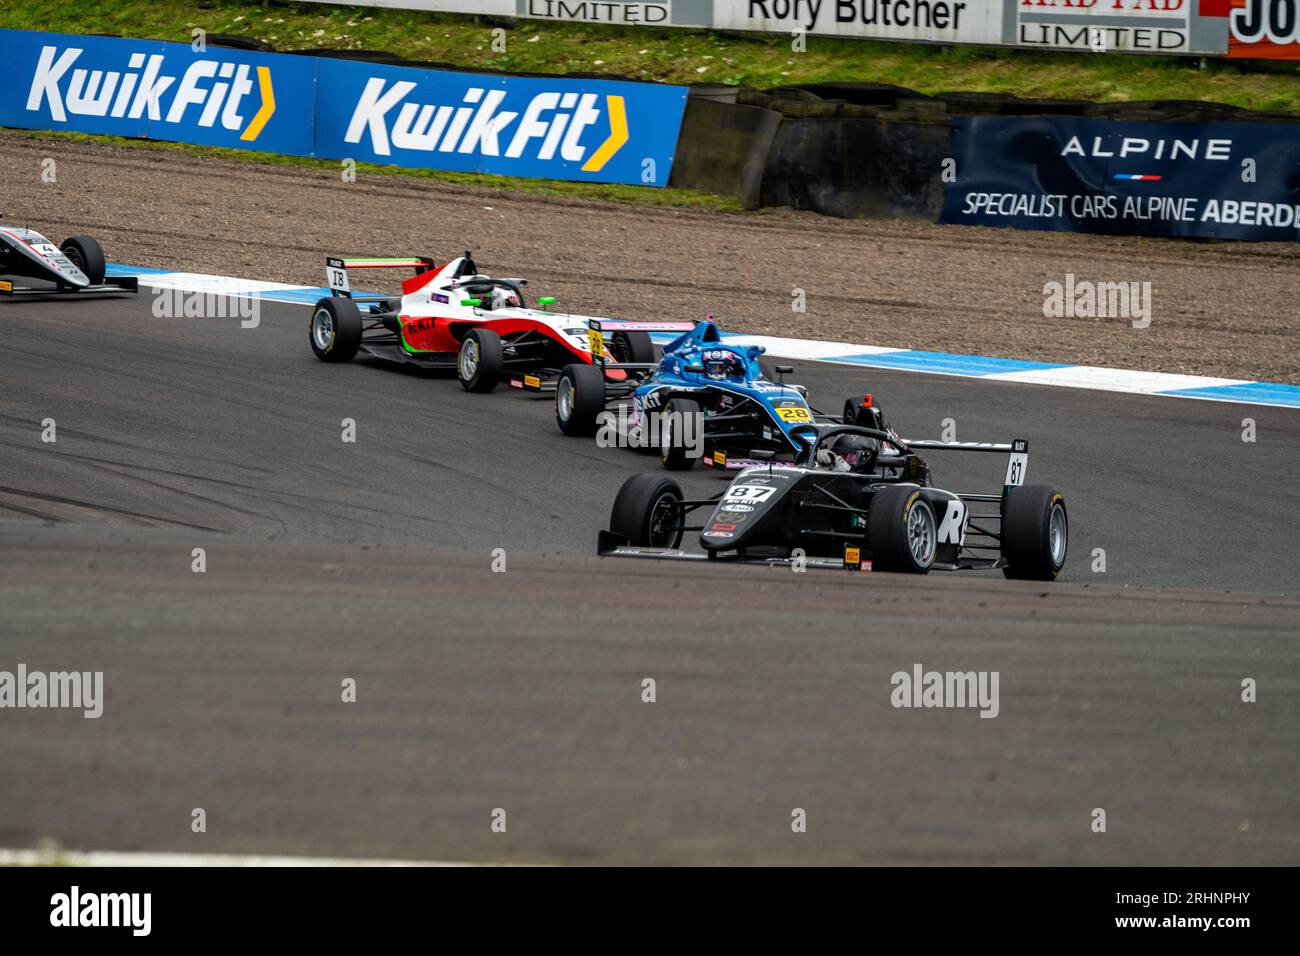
x,y
338,278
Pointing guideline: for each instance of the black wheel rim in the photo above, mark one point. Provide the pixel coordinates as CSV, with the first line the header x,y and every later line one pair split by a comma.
x,y
663,521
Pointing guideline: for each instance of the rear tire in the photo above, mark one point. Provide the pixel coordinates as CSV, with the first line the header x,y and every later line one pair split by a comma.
x,y
901,531
579,399
1035,533
335,329
86,254
646,509
672,449
479,366
633,347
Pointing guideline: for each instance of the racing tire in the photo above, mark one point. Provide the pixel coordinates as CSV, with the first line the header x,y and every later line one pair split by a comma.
x,y
479,365
1035,532
645,511
579,399
86,254
902,534
633,347
672,450
335,329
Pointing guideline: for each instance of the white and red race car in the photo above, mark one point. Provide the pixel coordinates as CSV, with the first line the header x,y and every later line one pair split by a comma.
x,y
454,315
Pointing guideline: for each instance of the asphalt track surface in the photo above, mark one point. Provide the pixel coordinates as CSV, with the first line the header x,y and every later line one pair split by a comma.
x,y
523,690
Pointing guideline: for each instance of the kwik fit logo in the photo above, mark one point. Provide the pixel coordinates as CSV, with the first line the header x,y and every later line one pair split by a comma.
x,y
551,124
207,93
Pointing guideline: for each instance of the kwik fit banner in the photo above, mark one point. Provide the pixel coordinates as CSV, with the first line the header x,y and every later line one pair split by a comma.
x,y
156,90
598,130
1225,180
556,128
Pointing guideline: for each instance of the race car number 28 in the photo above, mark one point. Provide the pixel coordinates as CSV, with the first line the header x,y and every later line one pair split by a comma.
x,y
794,414
750,493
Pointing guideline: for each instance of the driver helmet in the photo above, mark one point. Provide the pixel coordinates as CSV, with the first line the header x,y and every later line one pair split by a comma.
x,y
504,299
849,452
723,364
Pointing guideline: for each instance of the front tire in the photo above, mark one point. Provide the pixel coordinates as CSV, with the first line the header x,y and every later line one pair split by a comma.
x,y
901,531
647,513
479,365
672,445
335,330
85,253
579,399
1035,533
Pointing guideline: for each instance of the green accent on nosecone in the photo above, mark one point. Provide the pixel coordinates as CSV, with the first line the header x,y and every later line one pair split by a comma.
x,y
401,338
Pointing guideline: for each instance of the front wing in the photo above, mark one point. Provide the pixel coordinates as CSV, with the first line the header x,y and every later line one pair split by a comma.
x,y
113,285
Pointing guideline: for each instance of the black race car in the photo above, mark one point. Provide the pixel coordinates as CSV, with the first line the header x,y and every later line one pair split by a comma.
x,y
74,268
857,497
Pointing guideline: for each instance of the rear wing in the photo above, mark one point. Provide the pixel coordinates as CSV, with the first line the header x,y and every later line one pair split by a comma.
x,y
336,271
598,328
1017,453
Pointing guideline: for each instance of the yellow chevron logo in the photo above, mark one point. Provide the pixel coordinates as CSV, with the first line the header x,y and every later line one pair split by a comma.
x,y
255,127
617,136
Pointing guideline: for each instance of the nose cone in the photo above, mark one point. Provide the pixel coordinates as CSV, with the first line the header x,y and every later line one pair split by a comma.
x,y
49,259
70,274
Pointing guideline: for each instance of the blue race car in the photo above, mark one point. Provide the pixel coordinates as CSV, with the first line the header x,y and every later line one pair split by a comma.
x,y
705,400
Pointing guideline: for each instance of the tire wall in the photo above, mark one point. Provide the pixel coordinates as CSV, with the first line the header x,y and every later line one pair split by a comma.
x,y
729,149
852,168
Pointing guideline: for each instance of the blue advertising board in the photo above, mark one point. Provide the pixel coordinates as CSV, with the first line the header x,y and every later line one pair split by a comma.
x,y
1223,180
156,90
548,127
553,127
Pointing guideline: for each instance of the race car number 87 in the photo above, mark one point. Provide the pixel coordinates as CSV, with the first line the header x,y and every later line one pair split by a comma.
x,y
1016,463
750,493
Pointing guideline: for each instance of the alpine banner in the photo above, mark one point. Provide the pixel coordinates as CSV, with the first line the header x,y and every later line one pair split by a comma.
x,y
1220,180
605,131
550,127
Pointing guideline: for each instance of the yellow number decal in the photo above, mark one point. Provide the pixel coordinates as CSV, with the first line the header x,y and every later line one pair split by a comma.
x,y
597,343
794,414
